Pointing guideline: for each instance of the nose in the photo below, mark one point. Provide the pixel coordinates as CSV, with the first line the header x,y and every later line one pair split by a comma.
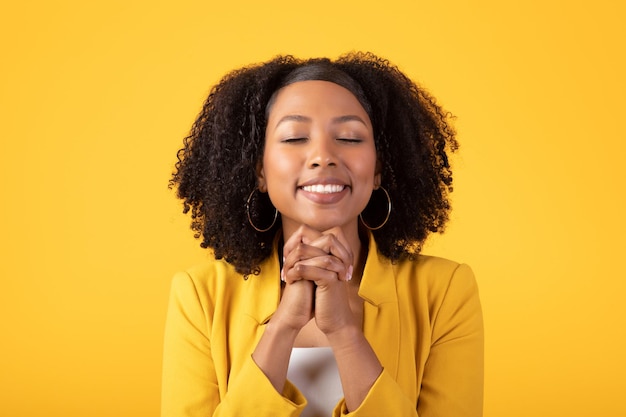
x,y
322,152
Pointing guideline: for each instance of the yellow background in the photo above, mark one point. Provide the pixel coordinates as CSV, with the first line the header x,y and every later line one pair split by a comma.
x,y
95,100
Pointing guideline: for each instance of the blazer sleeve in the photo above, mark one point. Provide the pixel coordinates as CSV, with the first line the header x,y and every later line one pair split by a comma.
x,y
452,384
385,398
190,386
454,372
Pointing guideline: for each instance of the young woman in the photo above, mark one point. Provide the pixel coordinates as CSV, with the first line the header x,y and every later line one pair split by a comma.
x,y
315,184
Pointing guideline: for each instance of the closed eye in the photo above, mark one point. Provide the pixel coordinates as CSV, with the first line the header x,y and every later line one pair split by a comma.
x,y
350,140
293,140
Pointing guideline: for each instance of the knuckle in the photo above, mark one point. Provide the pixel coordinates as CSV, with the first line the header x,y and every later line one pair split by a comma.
x,y
299,250
299,268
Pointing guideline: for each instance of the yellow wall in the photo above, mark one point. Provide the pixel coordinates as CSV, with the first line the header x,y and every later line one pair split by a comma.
x,y
95,98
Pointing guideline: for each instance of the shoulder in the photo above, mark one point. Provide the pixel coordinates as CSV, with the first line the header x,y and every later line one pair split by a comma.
x,y
211,271
444,293
206,281
431,268
436,277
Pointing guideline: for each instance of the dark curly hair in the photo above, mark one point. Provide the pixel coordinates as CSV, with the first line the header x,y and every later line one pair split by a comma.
x,y
216,168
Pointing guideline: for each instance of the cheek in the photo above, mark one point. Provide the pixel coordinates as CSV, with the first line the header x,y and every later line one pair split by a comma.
x,y
368,166
278,167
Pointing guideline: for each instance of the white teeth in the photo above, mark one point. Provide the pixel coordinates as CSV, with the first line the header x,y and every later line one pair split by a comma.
x,y
324,189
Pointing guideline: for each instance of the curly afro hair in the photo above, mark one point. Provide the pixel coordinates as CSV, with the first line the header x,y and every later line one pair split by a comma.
x,y
216,169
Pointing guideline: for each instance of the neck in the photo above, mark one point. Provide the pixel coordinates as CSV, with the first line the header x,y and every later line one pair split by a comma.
x,y
360,254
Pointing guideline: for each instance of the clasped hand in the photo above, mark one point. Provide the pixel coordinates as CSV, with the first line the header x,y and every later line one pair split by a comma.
x,y
317,267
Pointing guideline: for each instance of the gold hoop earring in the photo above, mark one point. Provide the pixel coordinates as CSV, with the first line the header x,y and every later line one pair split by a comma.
x,y
248,203
388,212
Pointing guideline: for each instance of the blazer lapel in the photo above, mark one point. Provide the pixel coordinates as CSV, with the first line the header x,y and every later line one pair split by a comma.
x,y
381,318
263,291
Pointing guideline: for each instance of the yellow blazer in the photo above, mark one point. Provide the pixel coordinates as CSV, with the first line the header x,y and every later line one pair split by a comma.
x,y
423,319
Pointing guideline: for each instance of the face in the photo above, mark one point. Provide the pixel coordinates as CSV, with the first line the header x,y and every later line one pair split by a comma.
x,y
319,164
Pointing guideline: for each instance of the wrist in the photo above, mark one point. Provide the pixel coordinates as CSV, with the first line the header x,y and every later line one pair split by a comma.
x,y
281,330
272,353
345,338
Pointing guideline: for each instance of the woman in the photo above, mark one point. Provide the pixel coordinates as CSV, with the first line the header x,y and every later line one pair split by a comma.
x,y
315,184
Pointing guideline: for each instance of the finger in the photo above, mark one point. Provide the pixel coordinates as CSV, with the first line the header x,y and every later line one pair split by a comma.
x,y
311,255
330,244
300,252
304,234
323,270
296,304
303,251
338,233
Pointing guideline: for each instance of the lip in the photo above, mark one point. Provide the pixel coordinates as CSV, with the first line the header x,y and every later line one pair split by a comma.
x,y
324,198
323,181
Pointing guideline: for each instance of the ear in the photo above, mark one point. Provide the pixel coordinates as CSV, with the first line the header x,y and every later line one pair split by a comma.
x,y
377,175
260,176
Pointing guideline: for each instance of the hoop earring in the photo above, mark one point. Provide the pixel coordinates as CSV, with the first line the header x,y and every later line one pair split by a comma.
x,y
248,203
388,212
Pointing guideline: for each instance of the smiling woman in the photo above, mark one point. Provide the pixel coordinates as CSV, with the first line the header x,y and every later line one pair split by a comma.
x,y
319,163
402,332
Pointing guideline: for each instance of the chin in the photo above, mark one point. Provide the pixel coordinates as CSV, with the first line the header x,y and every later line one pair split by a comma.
x,y
322,226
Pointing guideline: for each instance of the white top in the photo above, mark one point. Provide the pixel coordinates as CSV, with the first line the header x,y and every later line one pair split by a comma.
x,y
314,371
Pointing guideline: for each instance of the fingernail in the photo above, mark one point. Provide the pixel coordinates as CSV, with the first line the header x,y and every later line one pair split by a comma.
x,y
349,273
282,275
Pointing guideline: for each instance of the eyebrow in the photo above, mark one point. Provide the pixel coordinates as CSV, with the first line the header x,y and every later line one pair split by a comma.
x,y
336,120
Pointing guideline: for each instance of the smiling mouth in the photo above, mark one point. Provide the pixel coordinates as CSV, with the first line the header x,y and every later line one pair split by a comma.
x,y
324,189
